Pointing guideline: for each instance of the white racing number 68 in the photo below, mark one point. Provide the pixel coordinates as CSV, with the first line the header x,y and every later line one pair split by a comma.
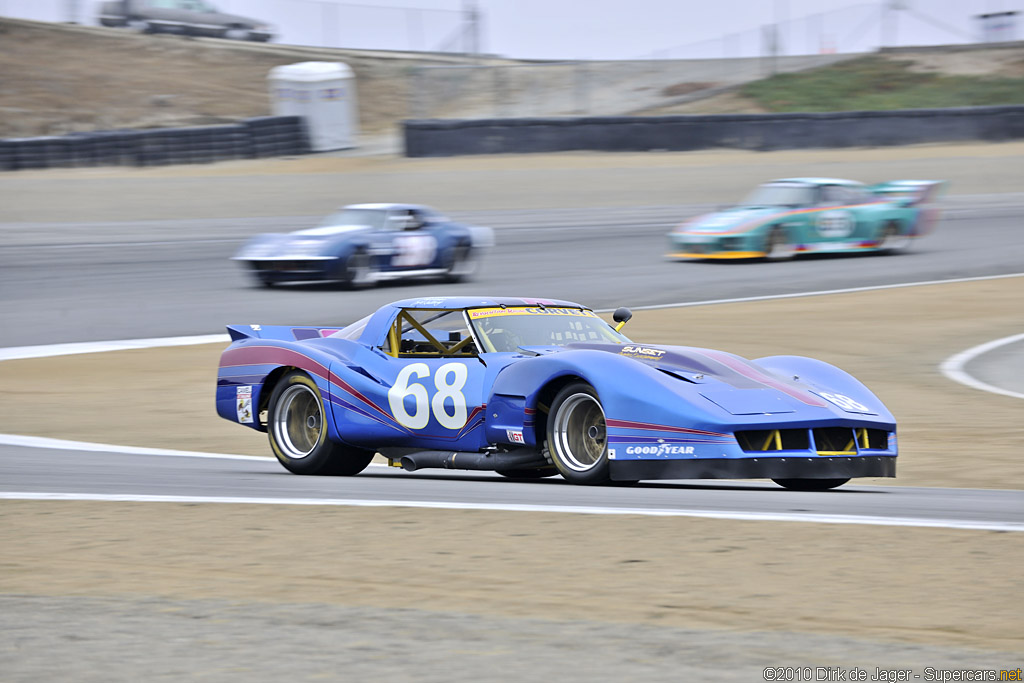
x,y
449,380
844,402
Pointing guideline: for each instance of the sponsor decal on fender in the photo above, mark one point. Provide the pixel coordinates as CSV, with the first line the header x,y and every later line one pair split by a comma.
x,y
641,352
660,449
243,403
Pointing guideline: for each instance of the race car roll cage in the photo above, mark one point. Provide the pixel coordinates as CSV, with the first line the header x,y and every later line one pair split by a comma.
x,y
404,321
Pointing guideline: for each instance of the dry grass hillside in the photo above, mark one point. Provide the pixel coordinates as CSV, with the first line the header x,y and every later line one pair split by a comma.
x,y
56,79
986,74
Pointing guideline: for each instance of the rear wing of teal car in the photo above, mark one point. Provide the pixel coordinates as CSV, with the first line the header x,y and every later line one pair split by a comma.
x,y
909,192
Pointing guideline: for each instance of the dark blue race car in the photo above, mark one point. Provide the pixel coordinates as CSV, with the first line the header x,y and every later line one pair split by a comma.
x,y
530,387
365,243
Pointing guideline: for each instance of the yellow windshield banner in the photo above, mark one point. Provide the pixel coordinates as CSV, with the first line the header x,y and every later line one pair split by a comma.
x,y
477,313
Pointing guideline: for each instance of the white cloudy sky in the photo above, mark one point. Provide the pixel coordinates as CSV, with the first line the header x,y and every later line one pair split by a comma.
x,y
597,29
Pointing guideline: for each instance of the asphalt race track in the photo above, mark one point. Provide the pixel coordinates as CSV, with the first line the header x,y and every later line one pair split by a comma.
x,y
123,476
80,282
71,282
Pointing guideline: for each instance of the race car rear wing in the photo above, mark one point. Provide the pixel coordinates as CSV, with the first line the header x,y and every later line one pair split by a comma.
x,y
909,192
278,332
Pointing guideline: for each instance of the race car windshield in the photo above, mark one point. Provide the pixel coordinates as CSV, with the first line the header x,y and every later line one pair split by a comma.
x,y
780,194
354,330
371,217
506,329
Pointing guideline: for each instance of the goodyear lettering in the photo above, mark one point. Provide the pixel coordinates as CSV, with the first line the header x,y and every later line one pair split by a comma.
x,y
641,351
659,449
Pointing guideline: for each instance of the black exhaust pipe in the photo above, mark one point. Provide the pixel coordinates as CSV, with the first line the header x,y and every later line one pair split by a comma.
x,y
459,460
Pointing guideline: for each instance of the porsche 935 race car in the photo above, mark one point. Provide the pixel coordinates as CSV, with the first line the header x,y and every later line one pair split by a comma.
x,y
793,216
530,387
365,243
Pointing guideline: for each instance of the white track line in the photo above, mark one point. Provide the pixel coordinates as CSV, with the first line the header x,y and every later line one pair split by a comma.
x,y
953,367
49,350
513,507
849,290
93,447
65,445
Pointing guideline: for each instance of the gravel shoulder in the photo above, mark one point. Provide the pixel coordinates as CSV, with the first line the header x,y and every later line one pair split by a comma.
x,y
891,590
156,639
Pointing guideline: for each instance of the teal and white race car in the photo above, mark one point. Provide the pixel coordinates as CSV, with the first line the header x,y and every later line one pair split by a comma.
x,y
791,216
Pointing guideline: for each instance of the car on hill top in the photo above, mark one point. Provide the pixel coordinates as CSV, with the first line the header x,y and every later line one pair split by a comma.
x,y
184,17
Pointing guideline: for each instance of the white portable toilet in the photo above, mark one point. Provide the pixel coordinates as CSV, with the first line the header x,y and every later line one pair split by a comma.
x,y
324,94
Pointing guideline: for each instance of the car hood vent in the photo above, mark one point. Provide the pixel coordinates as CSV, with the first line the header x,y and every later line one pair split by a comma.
x,y
698,364
678,375
749,401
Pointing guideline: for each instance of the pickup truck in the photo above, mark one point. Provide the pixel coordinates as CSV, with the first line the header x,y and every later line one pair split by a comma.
x,y
186,17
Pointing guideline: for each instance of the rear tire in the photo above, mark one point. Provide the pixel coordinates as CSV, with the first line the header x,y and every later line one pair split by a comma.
x,y
893,239
810,484
298,432
140,25
462,265
577,435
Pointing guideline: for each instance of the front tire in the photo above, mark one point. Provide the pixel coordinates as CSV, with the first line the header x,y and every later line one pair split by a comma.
x,y
577,435
298,431
777,246
810,484
356,272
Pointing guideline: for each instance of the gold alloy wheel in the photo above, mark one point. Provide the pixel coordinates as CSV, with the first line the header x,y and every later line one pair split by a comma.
x,y
298,421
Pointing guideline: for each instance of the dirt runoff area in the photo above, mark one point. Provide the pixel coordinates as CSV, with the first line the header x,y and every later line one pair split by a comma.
x,y
955,590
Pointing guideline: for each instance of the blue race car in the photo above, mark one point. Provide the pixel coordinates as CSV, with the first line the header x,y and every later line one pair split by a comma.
x,y
531,388
365,243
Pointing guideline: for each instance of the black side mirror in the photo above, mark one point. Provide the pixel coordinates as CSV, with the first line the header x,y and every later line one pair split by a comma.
x,y
621,316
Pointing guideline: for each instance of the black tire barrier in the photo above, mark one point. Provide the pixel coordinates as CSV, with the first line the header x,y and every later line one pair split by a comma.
x,y
764,132
264,136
